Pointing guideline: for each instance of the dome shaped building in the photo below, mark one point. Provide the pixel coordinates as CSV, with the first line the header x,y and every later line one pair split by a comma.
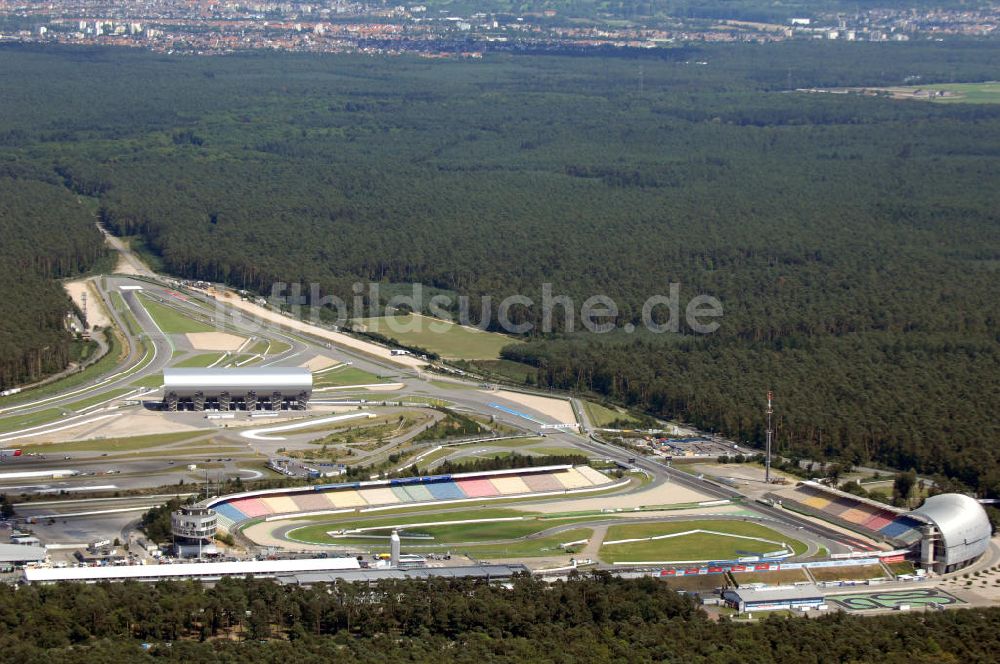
x,y
957,532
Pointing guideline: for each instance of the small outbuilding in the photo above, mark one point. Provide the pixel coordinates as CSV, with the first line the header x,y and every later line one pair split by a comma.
x,y
774,598
19,554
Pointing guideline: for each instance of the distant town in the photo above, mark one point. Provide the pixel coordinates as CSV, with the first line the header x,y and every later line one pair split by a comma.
x,y
177,26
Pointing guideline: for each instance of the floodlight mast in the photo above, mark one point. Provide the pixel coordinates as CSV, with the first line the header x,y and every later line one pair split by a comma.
x,y
767,455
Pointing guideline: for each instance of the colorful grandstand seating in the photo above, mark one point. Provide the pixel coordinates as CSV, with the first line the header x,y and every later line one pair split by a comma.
x,y
595,476
543,482
280,504
226,510
571,479
380,496
899,527
418,493
346,498
224,523
885,522
401,494
857,514
445,491
309,502
839,505
406,490
816,502
509,485
910,536
879,520
251,506
478,488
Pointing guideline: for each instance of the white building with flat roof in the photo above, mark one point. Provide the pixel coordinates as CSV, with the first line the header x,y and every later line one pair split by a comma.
x,y
198,571
249,387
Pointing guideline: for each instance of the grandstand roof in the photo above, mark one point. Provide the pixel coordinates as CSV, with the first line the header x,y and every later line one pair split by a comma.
x,y
185,382
964,525
477,571
805,591
189,570
21,553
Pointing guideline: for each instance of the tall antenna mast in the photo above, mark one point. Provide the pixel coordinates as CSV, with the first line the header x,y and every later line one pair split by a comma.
x,y
767,457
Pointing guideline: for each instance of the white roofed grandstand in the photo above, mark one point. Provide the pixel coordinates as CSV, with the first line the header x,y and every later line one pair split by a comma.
x,y
189,570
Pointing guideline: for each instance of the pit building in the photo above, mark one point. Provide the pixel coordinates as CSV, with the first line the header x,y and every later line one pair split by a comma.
x,y
250,388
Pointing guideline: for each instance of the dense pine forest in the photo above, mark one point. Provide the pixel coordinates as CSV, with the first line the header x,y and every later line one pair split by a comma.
x,y
594,620
852,240
45,234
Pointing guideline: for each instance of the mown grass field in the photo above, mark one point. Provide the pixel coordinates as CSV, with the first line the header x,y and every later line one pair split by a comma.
x,y
199,360
317,532
554,451
345,376
967,93
905,567
132,325
430,401
542,546
698,546
18,422
98,398
495,531
506,447
268,347
487,455
506,369
172,321
772,578
448,385
152,380
695,583
851,572
448,340
365,429
116,444
436,456
601,416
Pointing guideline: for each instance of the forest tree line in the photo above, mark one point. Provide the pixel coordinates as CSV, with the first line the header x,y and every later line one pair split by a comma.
x,y
46,235
852,241
585,619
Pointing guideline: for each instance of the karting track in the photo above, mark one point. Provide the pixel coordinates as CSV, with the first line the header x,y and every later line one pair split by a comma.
x,y
891,599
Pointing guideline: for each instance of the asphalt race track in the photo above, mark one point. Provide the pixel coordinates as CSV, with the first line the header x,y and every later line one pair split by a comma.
x,y
893,599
